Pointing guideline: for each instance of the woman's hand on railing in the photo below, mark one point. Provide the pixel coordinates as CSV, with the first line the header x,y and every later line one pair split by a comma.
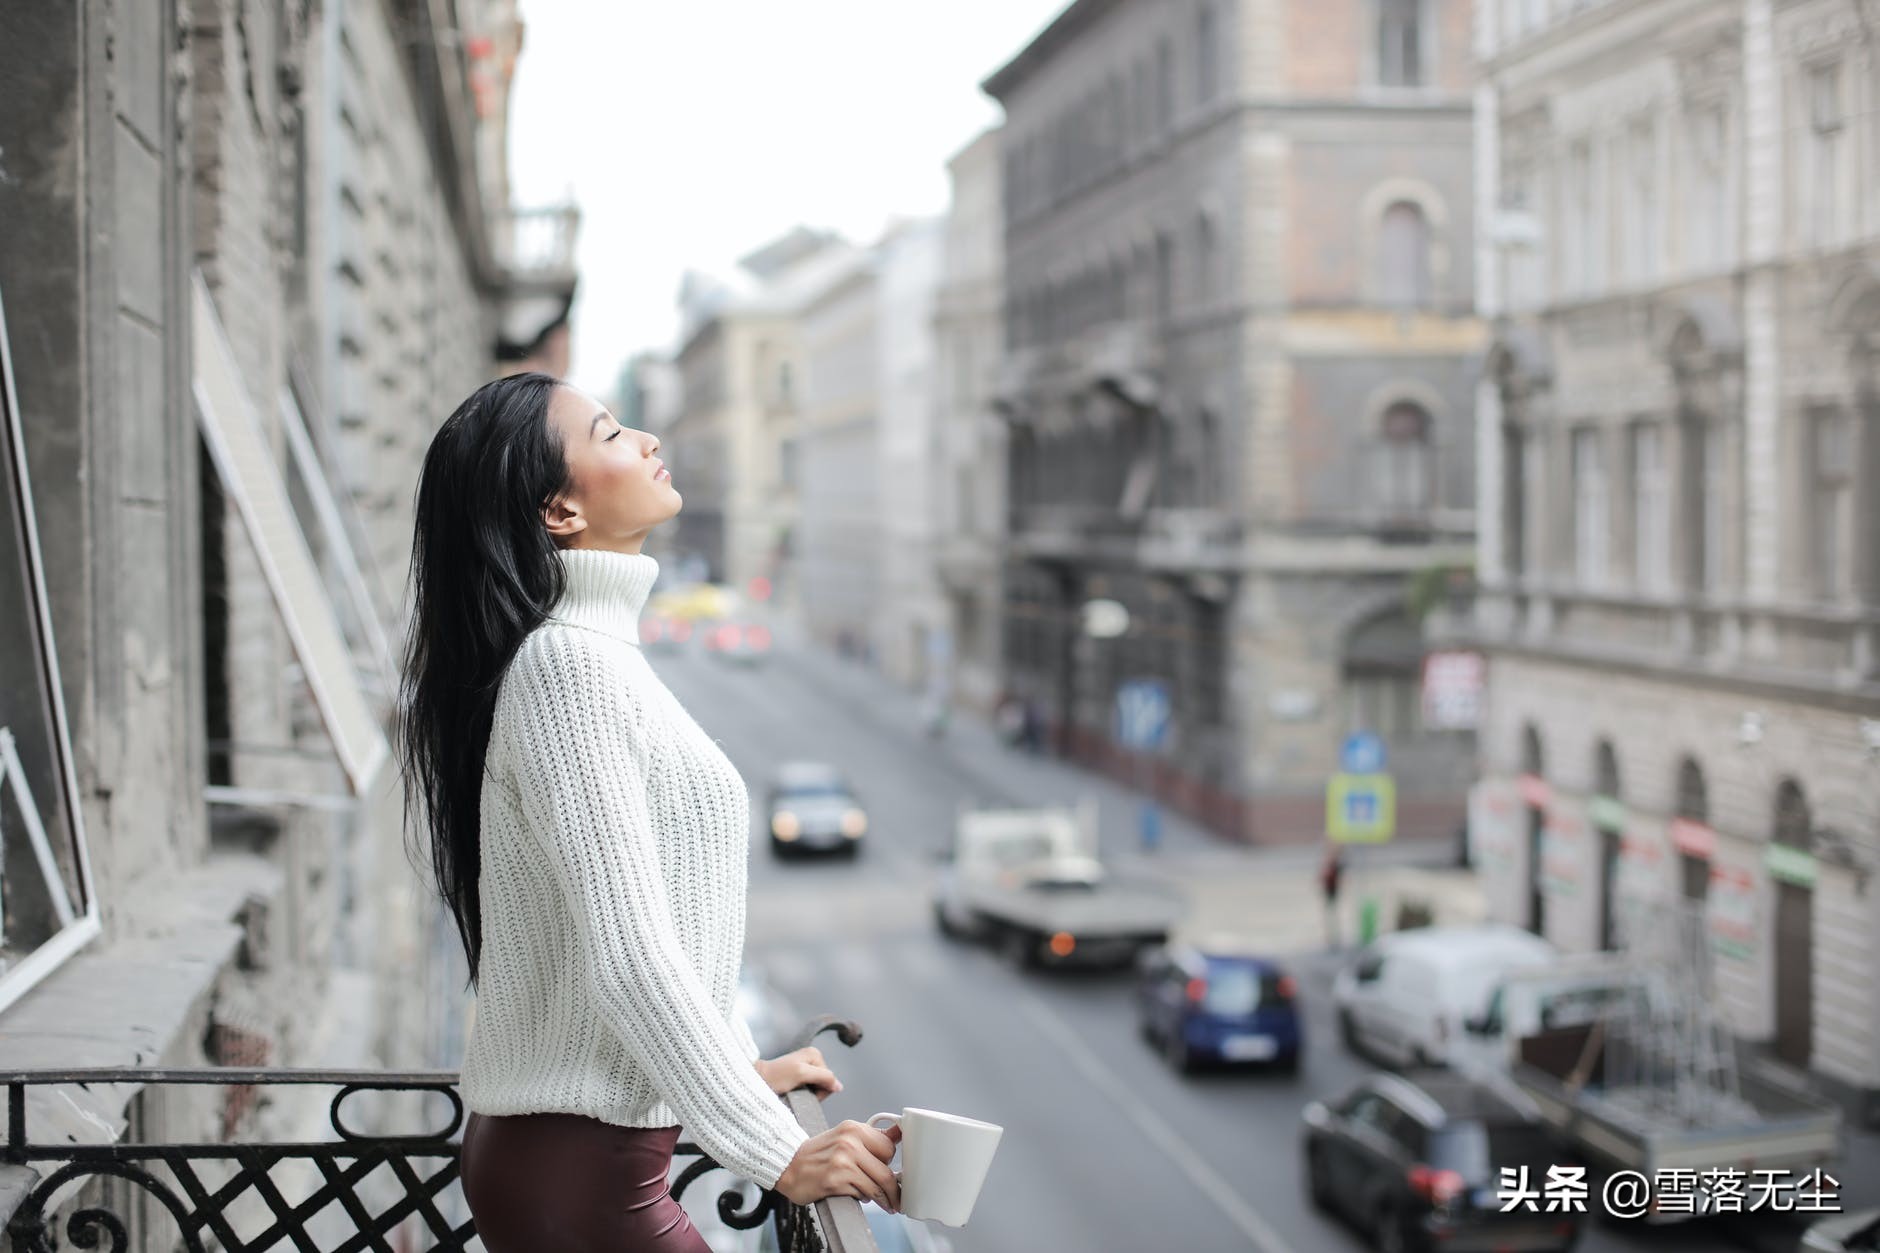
x,y
849,1159
804,1068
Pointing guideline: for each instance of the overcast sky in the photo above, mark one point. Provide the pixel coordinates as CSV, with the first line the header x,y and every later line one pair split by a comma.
x,y
691,133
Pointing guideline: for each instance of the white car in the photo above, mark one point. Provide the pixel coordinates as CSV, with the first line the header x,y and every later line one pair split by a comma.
x,y
1406,997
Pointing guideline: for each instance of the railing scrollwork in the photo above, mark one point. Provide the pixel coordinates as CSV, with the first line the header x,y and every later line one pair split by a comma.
x,y
199,1186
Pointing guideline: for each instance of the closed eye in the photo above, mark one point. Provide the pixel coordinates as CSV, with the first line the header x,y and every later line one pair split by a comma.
x,y
615,435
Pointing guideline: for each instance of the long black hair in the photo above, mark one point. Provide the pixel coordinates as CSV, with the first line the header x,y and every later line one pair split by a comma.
x,y
483,575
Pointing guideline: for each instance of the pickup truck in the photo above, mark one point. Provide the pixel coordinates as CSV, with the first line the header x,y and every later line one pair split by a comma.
x,y
1028,882
1598,1047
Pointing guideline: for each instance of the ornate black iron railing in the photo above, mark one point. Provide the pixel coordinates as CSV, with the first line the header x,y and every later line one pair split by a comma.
x,y
394,1193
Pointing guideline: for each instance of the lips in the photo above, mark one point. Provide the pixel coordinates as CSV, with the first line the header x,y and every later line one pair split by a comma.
x,y
660,473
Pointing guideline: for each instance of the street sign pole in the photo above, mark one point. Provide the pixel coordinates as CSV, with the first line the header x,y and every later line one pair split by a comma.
x,y
1142,715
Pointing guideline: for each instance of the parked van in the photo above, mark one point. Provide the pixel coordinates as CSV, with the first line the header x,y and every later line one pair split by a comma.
x,y
1407,996
1571,992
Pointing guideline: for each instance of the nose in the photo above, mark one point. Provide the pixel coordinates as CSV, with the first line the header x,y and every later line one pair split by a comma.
x,y
652,443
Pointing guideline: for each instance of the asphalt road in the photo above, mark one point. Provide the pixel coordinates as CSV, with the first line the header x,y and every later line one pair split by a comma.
x,y
1106,1148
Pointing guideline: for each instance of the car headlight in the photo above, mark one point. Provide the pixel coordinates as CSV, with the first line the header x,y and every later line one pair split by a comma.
x,y
854,822
784,825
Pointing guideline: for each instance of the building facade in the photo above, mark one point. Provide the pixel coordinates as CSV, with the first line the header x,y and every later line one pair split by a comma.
x,y
646,396
916,643
969,462
281,204
1679,440
1238,376
736,427
841,557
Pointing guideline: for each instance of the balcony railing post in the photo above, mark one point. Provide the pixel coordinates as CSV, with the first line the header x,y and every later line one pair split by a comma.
x,y
16,1124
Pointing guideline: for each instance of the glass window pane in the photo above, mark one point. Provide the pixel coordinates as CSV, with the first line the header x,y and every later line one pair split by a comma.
x,y
43,892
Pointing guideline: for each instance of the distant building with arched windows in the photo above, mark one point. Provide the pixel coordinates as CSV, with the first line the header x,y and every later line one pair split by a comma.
x,y
1679,584
1238,370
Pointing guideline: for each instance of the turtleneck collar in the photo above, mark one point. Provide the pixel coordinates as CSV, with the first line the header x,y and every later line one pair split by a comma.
x,y
606,591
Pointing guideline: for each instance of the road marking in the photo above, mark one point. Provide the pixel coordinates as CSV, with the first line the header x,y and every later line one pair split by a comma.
x,y
1260,1233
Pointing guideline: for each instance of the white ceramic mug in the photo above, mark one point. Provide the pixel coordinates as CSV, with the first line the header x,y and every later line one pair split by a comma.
x,y
944,1160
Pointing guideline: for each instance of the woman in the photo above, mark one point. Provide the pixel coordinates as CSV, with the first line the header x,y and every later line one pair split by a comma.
x,y
591,841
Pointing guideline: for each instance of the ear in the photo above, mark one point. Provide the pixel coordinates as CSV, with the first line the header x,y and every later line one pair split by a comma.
x,y
563,518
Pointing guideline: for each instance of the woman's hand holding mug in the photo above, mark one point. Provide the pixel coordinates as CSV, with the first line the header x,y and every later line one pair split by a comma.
x,y
804,1068
849,1159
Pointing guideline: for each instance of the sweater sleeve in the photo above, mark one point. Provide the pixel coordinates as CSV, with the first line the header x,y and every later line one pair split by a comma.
x,y
580,759
749,1042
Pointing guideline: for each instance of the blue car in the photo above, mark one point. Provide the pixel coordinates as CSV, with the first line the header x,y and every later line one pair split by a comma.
x,y
1209,1004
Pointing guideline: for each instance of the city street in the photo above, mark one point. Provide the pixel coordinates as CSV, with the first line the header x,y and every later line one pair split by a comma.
x,y
1105,1146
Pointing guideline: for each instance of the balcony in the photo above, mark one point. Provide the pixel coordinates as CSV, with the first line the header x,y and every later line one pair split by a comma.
x,y
357,1190
1190,539
535,247
1126,358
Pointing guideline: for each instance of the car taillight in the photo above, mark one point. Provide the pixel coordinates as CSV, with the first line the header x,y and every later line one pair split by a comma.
x,y
682,630
1438,1187
1287,988
758,637
1197,990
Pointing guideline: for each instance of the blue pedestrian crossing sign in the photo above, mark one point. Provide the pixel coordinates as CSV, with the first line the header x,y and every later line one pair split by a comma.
x,y
1361,808
1362,753
1142,714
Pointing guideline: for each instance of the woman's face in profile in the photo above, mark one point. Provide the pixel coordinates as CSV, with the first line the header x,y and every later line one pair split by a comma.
x,y
620,488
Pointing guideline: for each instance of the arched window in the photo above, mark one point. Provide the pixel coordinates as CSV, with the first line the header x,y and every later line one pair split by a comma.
x,y
1532,762
1382,663
1693,805
1606,771
1403,474
1608,822
1793,931
1403,257
1794,825
1693,800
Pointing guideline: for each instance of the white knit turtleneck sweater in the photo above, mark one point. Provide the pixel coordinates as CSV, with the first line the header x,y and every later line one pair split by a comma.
x,y
615,835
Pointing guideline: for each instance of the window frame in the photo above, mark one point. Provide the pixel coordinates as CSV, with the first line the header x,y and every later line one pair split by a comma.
x,y
1651,510
82,922
1405,263
1397,17
1592,508
1826,152
1833,532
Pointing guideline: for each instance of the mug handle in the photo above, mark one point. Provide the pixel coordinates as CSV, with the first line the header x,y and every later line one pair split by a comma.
x,y
893,1119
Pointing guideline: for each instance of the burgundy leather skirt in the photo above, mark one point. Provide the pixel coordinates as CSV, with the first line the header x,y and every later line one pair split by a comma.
x,y
565,1183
